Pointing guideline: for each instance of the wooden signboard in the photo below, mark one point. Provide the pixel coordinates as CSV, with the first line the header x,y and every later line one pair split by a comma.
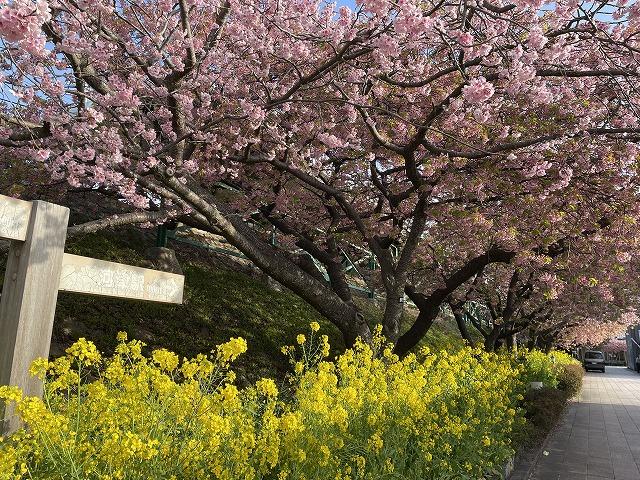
x,y
37,268
14,218
97,277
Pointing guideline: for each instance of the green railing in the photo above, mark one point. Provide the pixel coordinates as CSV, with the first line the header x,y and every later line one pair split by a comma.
x,y
164,234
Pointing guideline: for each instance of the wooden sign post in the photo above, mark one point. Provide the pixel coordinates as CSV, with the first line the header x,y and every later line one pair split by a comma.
x,y
37,268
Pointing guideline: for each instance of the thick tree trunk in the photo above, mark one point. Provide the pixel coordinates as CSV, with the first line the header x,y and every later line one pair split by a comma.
x,y
342,312
420,327
490,343
429,306
510,341
543,342
393,309
359,329
462,325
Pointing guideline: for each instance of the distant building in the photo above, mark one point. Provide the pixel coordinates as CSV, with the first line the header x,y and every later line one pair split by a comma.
x,y
633,346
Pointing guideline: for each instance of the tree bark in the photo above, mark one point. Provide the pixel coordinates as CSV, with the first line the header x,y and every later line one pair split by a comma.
x,y
422,324
510,341
490,343
458,314
429,306
276,263
393,310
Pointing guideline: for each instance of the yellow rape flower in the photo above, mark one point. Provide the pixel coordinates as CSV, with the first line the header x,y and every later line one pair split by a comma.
x,y
84,351
267,387
165,359
359,416
231,350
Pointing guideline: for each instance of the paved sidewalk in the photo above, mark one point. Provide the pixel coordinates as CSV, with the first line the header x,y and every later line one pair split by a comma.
x,y
599,436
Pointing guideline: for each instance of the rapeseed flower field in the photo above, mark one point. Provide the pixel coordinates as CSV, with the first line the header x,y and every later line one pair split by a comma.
x,y
364,415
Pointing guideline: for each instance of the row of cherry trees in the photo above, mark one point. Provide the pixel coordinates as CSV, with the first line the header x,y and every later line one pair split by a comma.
x,y
485,152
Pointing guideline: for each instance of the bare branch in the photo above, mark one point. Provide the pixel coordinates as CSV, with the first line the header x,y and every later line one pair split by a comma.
x,y
119,220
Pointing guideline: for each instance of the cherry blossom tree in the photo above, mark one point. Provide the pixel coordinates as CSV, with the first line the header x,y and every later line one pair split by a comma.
x,y
584,296
441,136
523,308
615,346
499,305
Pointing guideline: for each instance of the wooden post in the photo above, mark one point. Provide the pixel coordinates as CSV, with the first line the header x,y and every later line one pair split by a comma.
x,y
29,299
37,268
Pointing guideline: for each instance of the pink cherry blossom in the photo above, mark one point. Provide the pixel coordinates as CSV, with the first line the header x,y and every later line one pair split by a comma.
x,y
458,151
478,90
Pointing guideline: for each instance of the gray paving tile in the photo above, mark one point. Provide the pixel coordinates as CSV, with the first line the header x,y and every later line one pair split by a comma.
x,y
573,476
626,476
601,470
598,437
575,468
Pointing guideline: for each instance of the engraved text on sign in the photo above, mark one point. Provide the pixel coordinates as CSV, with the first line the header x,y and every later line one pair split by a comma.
x,y
98,277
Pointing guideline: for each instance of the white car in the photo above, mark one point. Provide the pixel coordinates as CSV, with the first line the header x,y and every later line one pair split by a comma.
x,y
593,360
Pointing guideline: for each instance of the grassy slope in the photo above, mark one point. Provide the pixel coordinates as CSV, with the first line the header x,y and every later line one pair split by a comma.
x,y
219,304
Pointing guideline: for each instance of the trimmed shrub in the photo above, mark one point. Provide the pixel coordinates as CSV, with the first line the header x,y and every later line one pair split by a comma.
x,y
562,378
365,415
570,379
544,407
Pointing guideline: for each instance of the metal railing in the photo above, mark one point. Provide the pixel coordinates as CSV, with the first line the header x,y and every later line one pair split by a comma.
x,y
164,234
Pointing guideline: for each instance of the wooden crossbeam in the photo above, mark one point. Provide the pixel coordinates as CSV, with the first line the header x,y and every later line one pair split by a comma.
x,y
14,218
97,277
